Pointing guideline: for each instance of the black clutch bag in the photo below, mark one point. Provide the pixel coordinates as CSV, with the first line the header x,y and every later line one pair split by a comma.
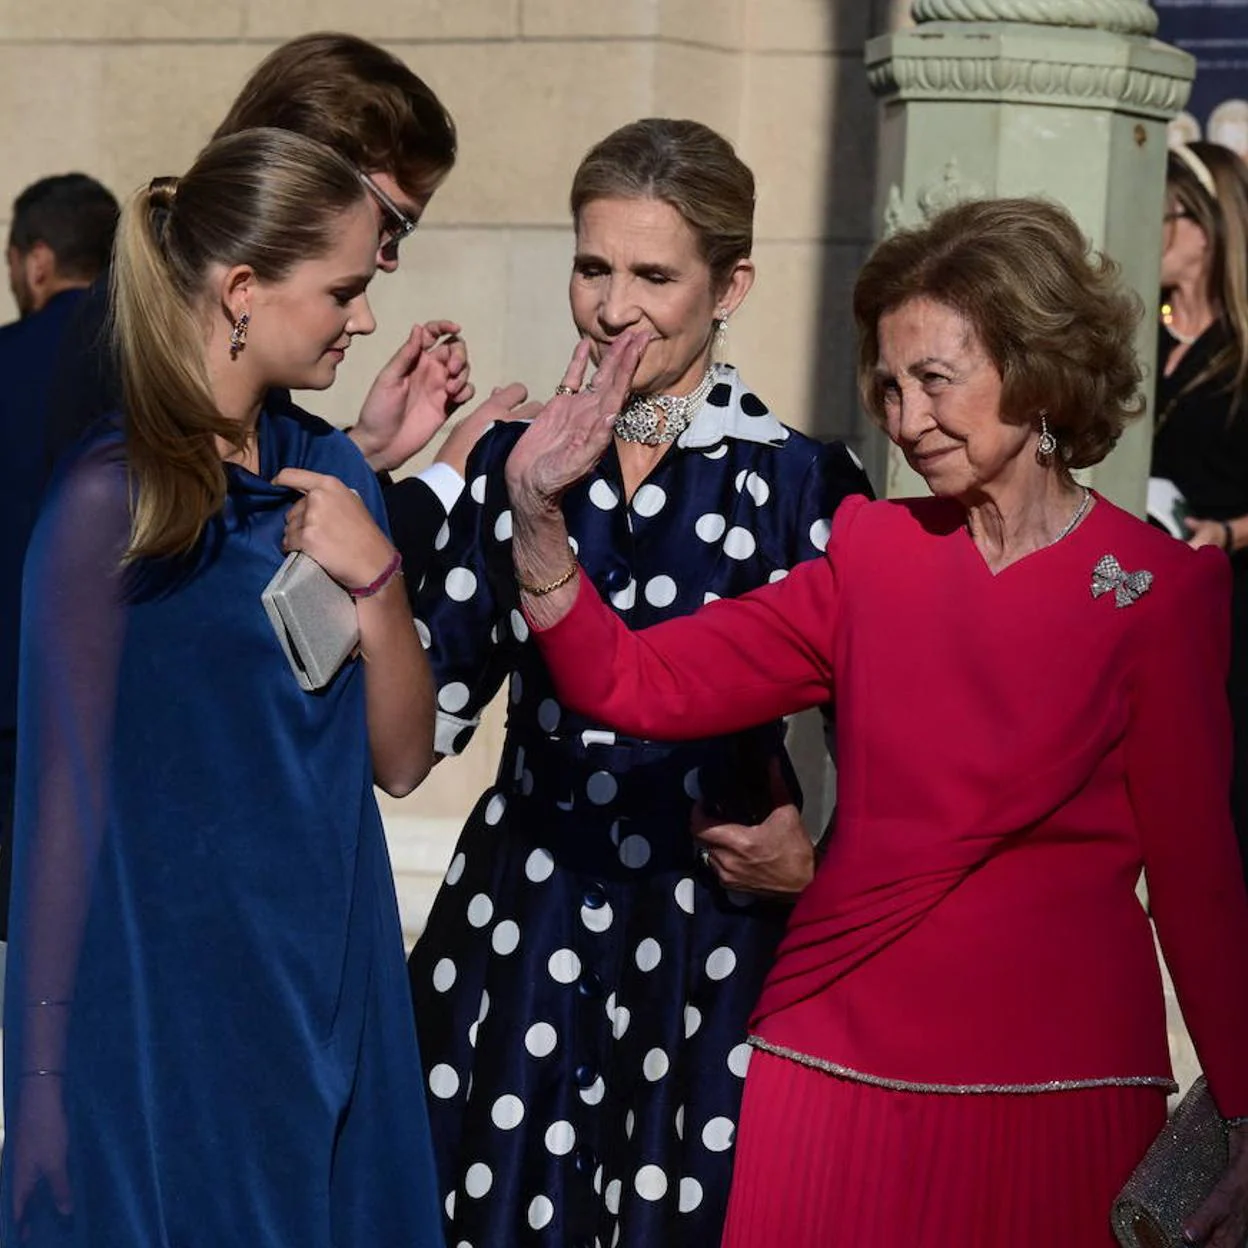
x,y
1179,1170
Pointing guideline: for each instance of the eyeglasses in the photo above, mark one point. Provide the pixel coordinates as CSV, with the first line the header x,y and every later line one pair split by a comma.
x,y
397,225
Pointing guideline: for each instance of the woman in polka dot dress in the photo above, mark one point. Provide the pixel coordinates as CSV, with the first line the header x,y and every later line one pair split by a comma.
x,y
583,984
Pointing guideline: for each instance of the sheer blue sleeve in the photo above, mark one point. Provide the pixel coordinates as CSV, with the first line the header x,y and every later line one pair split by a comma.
x,y
73,621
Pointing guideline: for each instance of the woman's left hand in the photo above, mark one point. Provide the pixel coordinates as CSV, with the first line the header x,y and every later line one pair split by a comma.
x,y
1222,1221
774,858
331,524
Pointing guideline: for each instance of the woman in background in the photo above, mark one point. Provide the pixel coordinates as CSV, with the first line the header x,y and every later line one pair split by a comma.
x,y
1201,406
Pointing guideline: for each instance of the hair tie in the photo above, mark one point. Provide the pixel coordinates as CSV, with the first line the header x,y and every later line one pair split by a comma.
x,y
161,192
1200,170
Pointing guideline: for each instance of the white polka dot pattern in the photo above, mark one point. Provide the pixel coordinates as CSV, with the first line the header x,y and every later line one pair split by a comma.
x,y
453,697
660,591
461,584
651,1183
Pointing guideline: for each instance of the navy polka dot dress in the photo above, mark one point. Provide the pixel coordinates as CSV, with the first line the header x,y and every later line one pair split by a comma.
x,y
583,984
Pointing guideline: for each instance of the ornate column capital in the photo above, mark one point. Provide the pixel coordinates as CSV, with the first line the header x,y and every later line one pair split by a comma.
x,y
1124,17
1009,62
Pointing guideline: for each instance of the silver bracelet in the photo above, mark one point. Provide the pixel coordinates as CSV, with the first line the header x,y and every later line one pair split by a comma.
x,y
1231,1123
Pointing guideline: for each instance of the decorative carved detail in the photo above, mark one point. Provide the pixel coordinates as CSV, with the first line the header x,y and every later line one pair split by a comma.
x,y
1126,17
894,212
951,189
935,196
994,78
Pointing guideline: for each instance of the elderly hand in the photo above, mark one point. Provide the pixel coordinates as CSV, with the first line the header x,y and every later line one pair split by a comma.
x,y
423,384
505,403
572,430
774,858
331,524
1222,1221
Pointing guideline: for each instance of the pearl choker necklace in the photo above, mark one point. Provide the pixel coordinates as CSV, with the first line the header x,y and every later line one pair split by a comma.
x,y
639,419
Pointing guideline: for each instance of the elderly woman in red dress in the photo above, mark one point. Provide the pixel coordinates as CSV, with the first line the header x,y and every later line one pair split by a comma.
x,y
963,1038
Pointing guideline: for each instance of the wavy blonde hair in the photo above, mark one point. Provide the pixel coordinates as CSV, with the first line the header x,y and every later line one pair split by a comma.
x,y
265,198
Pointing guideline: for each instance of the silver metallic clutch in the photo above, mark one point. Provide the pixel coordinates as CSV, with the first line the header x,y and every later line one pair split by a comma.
x,y
1179,1170
314,619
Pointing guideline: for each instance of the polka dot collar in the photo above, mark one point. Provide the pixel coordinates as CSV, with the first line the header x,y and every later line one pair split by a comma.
x,y
731,411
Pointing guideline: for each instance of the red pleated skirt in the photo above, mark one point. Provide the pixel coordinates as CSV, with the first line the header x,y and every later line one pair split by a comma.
x,y
823,1161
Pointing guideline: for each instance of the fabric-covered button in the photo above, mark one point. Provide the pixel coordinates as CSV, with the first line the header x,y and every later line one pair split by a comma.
x,y
617,577
595,897
584,1159
589,984
584,1075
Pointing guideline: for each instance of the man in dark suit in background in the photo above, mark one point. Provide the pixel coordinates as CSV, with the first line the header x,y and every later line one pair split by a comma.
x,y
59,242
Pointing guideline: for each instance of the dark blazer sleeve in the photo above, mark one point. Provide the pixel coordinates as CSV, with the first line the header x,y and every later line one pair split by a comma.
x,y
86,383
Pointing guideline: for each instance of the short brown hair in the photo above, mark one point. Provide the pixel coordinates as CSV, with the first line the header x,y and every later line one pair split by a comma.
x,y
1051,313
356,98
684,164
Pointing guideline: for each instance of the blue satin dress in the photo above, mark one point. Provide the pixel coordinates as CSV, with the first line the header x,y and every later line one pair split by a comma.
x,y
209,1037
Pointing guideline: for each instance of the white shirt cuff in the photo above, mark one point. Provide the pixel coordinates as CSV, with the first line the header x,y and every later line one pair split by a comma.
x,y
445,482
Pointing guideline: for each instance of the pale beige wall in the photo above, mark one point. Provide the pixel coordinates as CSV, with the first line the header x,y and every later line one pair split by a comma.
x,y
126,89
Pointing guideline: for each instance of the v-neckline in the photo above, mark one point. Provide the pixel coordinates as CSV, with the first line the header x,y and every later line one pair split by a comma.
x,y
1066,543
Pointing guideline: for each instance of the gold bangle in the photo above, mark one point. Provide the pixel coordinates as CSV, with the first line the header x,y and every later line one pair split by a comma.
x,y
538,591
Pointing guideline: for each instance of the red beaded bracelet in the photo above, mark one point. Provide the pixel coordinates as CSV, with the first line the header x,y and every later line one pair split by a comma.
x,y
388,573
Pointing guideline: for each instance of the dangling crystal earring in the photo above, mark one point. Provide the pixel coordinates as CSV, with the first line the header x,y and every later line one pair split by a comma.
x,y
1046,446
720,338
238,335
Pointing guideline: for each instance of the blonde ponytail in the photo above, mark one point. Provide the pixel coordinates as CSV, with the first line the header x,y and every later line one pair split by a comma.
x,y
172,421
266,198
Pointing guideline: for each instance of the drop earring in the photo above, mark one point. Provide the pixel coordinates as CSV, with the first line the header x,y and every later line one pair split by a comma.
x,y
1046,445
720,338
238,335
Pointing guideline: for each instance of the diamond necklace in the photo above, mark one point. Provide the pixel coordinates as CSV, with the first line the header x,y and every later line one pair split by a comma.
x,y
638,421
1074,520
1084,503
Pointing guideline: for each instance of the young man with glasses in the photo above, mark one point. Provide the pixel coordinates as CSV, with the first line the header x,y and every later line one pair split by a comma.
x,y
368,106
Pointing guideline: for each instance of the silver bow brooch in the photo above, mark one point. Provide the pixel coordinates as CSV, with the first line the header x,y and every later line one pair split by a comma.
x,y
1126,586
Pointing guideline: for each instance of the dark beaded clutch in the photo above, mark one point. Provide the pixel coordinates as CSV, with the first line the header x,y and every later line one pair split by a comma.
x,y
1179,1170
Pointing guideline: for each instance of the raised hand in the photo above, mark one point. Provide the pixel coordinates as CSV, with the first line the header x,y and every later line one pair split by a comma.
x,y
332,525
504,403
422,385
573,429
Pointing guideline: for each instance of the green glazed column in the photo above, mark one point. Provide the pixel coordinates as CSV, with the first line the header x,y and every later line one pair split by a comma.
x,y
1063,98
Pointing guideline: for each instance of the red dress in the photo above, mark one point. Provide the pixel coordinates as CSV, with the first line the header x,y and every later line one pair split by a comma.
x,y
970,966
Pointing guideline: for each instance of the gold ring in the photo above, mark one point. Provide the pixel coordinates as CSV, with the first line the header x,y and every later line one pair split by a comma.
x,y
564,390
